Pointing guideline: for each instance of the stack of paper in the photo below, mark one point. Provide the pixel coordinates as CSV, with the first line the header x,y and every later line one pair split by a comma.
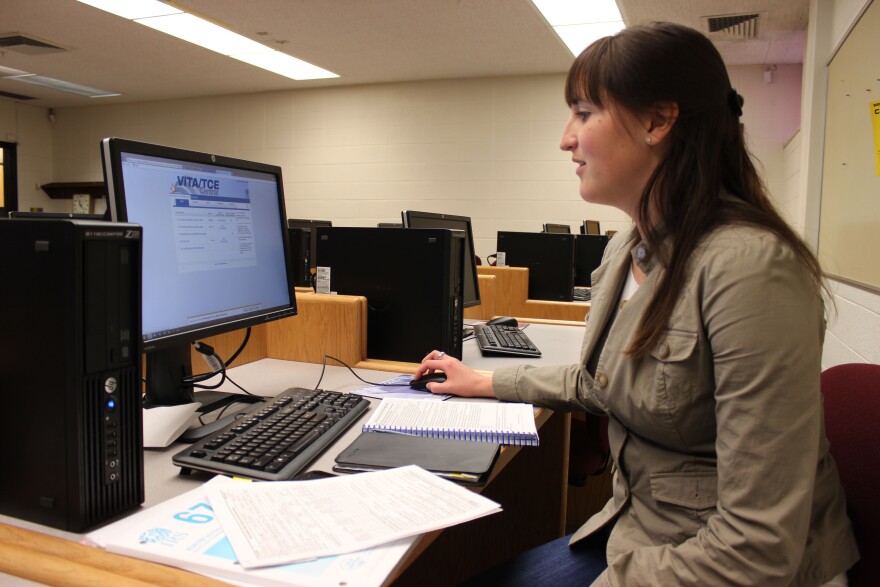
x,y
361,526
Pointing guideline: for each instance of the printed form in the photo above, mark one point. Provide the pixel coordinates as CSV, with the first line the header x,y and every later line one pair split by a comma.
x,y
283,522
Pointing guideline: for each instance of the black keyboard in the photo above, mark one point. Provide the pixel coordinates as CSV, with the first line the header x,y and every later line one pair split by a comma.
x,y
498,339
276,439
581,294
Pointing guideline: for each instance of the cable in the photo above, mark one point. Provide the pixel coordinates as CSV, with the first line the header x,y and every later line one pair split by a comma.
x,y
344,364
247,336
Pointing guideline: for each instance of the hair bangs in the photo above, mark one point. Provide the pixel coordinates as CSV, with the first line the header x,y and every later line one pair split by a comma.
x,y
588,77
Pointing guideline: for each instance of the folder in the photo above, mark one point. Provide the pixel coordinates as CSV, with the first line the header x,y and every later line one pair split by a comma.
x,y
463,461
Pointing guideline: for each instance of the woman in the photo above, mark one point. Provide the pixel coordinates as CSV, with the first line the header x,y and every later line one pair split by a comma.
x,y
702,344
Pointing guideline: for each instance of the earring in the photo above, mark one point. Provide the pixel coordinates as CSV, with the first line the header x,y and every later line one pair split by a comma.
x,y
649,139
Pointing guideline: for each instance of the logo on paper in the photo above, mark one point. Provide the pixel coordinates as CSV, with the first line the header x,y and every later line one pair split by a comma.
x,y
163,536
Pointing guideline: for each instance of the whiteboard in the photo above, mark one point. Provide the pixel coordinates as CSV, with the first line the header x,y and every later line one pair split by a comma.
x,y
849,219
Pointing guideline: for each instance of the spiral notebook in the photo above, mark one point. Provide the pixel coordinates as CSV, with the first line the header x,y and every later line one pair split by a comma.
x,y
501,422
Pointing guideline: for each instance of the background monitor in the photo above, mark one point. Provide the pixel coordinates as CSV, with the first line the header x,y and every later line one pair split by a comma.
x,y
588,252
415,219
549,258
590,227
311,226
557,228
214,253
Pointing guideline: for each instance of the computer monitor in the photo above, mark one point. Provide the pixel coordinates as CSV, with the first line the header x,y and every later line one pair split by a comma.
x,y
588,251
311,226
590,227
415,219
557,228
549,258
214,253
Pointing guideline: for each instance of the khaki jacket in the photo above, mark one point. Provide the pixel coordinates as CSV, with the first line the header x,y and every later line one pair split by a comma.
x,y
722,474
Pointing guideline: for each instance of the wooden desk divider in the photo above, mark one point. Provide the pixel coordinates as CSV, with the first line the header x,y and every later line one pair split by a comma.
x,y
332,325
325,324
512,293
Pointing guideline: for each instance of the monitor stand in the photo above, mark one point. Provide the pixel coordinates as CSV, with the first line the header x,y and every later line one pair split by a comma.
x,y
166,372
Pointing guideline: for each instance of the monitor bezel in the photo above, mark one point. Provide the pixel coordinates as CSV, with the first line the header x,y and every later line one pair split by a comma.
x,y
407,215
111,153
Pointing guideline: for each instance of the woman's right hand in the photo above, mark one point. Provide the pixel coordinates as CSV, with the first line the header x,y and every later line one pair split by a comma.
x,y
461,380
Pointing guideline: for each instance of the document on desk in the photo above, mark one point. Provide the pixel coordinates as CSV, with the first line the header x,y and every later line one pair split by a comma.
x,y
398,387
183,532
287,521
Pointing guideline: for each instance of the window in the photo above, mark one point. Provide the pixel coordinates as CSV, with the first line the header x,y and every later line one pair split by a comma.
x,y
9,183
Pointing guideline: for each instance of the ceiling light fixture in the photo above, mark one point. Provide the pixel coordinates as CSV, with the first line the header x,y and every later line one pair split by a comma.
x,y
61,85
580,23
188,27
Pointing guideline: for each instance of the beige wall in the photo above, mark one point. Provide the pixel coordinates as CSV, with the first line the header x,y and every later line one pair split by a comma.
x,y
484,148
29,127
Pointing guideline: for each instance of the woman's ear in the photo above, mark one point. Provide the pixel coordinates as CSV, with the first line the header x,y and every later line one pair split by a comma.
x,y
659,121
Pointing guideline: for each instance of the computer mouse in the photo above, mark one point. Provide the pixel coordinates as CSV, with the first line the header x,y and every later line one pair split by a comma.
x,y
504,321
421,383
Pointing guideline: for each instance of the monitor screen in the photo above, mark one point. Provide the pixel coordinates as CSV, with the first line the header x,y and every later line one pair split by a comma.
x,y
214,250
311,226
557,228
415,219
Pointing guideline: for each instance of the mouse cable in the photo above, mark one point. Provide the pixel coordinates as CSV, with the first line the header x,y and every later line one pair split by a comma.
x,y
343,363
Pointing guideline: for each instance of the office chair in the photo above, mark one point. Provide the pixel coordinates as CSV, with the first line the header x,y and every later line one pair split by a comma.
x,y
852,412
589,450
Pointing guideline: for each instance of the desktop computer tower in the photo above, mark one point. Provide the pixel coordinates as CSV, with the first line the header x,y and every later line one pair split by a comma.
x,y
549,258
71,439
299,249
412,279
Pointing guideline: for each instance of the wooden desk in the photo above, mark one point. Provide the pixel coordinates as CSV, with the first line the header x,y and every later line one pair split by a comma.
x,y
512,297
527,481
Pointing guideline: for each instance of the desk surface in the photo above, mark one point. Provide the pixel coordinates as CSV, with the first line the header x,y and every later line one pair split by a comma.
x,y
268,377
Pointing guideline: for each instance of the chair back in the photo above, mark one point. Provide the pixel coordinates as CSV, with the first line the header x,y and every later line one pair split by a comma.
x,y
852,423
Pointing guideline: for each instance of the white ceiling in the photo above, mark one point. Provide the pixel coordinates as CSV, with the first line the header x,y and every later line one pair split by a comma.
x,y
364,41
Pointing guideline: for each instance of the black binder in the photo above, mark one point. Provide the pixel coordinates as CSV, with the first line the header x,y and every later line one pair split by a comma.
x,y
462,461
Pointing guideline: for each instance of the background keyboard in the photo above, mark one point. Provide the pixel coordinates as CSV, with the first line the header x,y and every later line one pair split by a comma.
x,y
498,339
277,439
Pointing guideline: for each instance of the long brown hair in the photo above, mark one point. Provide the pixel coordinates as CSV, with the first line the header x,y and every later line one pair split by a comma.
x,y
639,68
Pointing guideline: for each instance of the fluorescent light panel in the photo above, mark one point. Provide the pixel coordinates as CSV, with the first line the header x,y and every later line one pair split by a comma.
x,y
61,85
185,26
580,23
